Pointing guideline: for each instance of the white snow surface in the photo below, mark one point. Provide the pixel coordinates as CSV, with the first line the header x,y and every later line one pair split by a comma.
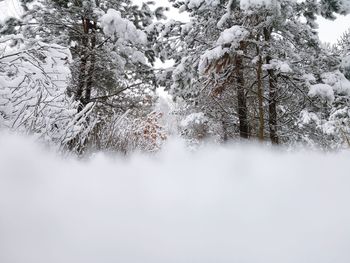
x,y
221,204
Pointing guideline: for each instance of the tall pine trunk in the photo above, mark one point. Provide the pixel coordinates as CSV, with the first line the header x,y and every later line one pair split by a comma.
x,y
85,79
272,94
81,86
91,70
260,99
241,96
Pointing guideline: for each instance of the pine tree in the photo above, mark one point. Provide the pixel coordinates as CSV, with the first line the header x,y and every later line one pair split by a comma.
x,y
331,7
258,52
343,47
111,44
220,46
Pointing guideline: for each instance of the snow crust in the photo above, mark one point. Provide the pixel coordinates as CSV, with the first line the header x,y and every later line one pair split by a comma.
x,y
221,204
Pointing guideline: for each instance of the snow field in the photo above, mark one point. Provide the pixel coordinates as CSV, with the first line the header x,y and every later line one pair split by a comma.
x,y
220,204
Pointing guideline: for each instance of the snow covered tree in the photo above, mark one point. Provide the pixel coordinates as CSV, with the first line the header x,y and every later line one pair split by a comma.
x,y
328,8
104,55
248,69
111,45
186,44
215,51
327,117
258,52
343,47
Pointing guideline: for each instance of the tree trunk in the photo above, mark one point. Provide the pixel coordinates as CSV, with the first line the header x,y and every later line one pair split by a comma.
x,y
241,97
83,81
224,129
79,95
272,94
260,99
91,70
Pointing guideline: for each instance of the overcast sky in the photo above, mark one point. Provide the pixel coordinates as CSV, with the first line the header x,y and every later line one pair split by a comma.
x,y
329,31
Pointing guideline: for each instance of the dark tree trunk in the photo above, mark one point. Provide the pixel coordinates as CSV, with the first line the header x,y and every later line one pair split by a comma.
x,y
260,100
91,70
241,96
225,129
272,94
84,84
272,105
81,86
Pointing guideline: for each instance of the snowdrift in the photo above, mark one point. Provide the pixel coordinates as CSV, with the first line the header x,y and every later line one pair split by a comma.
x,y
234,204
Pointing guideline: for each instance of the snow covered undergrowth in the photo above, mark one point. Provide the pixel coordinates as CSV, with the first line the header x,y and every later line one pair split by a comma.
x,y
235,204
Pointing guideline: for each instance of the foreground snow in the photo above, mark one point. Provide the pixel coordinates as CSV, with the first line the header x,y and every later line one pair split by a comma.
x,y
237,204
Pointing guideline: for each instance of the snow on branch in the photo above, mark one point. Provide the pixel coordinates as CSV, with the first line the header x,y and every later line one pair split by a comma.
x,y
120,28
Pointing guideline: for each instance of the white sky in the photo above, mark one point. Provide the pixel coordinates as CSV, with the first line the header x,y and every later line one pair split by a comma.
x,y
329,31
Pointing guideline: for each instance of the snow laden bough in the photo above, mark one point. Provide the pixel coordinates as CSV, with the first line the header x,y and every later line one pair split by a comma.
x,y
122,32
332,97
33,100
